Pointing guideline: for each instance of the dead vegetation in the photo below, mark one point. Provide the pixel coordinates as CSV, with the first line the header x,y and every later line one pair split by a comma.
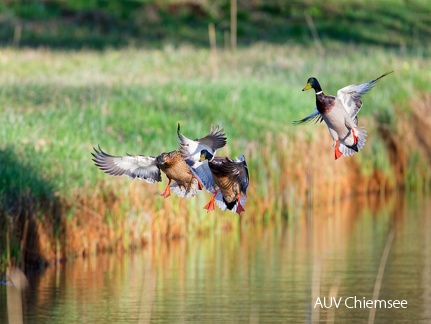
x,y
285,179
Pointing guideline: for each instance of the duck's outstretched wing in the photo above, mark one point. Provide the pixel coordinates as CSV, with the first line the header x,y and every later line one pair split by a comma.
x,y
203,172
216,138
315,118
242,173
351,95
191,149
134,166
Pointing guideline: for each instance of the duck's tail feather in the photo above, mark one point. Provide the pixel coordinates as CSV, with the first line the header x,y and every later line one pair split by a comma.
x,y
180,191
233,206
347,150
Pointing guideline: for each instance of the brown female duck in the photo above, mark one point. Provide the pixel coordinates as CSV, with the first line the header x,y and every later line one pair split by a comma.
x,y
149,168
230,182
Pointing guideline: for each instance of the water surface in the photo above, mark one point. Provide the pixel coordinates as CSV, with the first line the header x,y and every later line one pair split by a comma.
x,y
270,273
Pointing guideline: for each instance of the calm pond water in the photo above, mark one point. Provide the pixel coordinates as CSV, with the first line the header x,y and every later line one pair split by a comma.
x,y
266,274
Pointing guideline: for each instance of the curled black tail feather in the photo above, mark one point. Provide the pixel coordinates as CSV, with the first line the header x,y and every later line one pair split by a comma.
x,y
230,205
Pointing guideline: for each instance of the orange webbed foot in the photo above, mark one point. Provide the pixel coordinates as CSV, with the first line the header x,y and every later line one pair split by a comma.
x,y
338,153
211,204
239,207
200,185
167,192
355,138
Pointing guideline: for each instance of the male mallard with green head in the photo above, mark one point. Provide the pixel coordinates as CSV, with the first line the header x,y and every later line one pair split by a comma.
x,y
340,115
191,151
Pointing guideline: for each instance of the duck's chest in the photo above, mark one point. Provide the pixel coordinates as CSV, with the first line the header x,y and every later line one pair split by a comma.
x,y
178,171
324,104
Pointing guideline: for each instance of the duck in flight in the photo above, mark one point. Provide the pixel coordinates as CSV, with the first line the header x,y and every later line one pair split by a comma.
x,y
340,114
149,168
225,178
230,182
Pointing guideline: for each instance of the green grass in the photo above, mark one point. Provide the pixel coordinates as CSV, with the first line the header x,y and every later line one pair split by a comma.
x,y
104,24
56,105
140,67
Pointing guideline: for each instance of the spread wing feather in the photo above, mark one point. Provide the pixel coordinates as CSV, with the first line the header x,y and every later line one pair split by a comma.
x,y
243,176
134,166
351,95
191,149
203,172
216,138
315,118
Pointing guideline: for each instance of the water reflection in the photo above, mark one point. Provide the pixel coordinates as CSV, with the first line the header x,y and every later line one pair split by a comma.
x,y
258,274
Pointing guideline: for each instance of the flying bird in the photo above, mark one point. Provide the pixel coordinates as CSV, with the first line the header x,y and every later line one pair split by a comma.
x,y
182,181
149,168
225,178
230,182
340,115
191,151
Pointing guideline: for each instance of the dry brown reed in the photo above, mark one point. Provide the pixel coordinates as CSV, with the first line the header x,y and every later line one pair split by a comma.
x,y
287,174
285,177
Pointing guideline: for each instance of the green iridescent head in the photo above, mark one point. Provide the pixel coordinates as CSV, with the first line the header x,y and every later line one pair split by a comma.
x,y
312,83
205,155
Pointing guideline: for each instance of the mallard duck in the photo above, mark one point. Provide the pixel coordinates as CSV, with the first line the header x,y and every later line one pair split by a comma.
x,y
148,168
172,164
230,182
216,139
340,115
225,178
191,151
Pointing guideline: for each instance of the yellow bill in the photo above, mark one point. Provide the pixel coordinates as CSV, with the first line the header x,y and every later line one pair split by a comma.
x,y
308,86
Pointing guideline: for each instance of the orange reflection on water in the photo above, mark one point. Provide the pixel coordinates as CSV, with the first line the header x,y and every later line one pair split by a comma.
x,y
271,272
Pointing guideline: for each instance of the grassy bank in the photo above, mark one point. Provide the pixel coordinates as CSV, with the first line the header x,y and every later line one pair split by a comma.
x,y
102,24
56,106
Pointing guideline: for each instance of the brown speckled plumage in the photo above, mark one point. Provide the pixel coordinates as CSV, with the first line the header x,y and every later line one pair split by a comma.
x,y
230,177
175,168
148,168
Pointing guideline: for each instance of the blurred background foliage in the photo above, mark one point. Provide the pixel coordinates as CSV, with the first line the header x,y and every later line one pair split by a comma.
x,y
99,24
